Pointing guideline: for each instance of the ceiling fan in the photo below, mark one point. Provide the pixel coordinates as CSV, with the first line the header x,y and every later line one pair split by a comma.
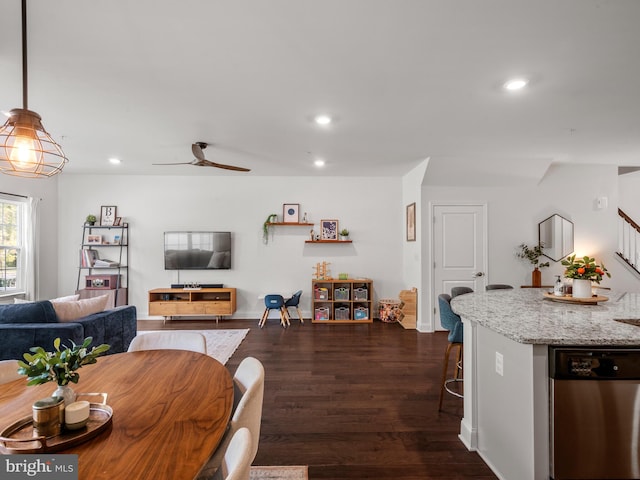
x,y
197,149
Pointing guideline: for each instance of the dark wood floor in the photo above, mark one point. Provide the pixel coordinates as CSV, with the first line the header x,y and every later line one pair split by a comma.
x,y
354,401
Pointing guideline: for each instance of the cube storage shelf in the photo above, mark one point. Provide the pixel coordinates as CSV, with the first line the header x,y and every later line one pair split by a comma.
x,y
342,301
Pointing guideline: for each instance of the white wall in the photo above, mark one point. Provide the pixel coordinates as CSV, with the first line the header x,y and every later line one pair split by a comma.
x,y
369,207
414,252
47,261
514,214
630,195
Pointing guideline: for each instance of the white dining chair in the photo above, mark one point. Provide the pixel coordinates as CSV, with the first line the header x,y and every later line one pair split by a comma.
x,y
248,382
169,340
9,371
236,463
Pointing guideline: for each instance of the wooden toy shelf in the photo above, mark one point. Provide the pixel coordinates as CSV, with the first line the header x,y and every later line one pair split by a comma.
x,y
342,301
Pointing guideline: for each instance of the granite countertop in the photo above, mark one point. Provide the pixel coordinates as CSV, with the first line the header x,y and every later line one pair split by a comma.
x,y
525,316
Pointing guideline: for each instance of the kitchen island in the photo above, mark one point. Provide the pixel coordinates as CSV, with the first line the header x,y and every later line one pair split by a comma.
x,y
507,334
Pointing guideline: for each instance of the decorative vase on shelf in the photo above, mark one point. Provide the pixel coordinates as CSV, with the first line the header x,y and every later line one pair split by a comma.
x,y
581,288
536,278
66,392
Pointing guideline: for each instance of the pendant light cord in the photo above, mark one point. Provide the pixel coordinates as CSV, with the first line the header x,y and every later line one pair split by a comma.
x,y
25,97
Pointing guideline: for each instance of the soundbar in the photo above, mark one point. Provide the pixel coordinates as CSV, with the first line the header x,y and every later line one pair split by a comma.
x,y
201,285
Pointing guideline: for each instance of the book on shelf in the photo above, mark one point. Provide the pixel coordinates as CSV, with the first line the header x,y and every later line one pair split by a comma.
x,y
104,263
91,259
88,257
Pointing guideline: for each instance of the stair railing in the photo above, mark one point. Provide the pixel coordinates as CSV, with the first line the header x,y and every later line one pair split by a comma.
x,y
629,241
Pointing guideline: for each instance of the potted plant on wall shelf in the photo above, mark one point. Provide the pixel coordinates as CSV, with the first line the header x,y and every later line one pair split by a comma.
x,y
265,227
90,220
344,234
533,254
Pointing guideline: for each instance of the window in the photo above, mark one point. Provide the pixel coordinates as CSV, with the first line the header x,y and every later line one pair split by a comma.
x,y
12,243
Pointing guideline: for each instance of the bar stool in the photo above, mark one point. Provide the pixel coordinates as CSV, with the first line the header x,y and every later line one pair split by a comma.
x,y
452,322
498,286
455,291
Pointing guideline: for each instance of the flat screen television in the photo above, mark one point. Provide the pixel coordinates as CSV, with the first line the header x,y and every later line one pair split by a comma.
x,y
197,250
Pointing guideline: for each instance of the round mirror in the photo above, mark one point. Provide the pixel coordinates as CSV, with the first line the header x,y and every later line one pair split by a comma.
x,y
555,235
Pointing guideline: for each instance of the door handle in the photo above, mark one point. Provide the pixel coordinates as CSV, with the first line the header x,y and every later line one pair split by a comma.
x,y
478,274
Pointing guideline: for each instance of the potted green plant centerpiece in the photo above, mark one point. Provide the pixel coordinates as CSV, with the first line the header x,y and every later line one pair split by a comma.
x,y
583,271
344,234
60,365
90,220
532,255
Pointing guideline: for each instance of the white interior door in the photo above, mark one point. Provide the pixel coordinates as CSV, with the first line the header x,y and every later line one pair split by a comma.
x,y
459,250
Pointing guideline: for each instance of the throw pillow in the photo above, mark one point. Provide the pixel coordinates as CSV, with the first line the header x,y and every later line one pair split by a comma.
x,y
70,311
32,312
68,298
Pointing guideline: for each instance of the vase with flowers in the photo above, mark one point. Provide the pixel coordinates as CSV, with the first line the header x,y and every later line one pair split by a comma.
x,y
583,271
533,254
60,365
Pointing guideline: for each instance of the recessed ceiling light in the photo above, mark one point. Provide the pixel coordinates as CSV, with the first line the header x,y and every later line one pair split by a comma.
x,y
115,161
515,84
319,163
323,119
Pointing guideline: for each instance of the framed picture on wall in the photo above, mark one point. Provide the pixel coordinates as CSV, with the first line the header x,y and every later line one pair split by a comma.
x,y
411,222
291,213
328,229
107,215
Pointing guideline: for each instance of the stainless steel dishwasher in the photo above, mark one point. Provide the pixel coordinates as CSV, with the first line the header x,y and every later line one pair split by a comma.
x,y
594,413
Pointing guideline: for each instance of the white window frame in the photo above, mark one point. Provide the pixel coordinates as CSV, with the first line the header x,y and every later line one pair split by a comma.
x,y
23,228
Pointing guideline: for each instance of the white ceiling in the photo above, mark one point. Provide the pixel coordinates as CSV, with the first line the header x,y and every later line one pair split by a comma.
x,y
405,80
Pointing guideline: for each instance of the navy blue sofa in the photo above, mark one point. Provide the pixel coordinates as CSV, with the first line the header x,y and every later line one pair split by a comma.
x,y
26,325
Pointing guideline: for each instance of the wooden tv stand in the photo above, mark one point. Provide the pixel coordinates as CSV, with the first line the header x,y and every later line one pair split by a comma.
x,y
174,302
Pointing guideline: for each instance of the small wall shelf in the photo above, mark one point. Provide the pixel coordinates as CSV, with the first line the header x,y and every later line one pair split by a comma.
x,y
289,224
328,241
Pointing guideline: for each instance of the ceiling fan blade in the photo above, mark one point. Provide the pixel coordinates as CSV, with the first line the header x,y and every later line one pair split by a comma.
x,y
181,163
196,148
209,163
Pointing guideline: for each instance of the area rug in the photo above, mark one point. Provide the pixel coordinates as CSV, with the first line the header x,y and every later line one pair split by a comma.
x,y
220,343
295,472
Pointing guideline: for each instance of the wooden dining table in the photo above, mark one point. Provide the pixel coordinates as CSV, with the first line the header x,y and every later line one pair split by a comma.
x,y
170,411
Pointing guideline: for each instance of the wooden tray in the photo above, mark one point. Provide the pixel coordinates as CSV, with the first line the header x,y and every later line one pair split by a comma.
x,y
19,437
569,299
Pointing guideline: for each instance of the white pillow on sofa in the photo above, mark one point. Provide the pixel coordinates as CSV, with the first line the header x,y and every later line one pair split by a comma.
x,y
68,298
73,310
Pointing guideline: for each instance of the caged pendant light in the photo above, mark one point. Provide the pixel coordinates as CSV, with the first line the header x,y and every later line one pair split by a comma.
x,y
26,149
